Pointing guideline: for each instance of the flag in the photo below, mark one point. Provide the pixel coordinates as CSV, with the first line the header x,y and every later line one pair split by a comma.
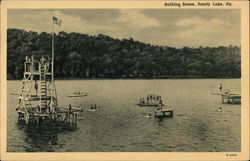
x,y
57,21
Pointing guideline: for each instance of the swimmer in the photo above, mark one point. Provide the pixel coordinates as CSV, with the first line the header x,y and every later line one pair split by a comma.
x,y
220,109
149,115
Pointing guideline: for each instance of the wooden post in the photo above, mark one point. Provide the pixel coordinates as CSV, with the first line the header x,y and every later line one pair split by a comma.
x,y
68,117
37,120
76,119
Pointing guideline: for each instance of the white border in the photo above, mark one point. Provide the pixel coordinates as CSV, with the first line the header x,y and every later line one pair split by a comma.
x,y
243,155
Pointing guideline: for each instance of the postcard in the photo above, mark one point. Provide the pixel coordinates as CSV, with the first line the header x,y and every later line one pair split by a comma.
x,y
124,80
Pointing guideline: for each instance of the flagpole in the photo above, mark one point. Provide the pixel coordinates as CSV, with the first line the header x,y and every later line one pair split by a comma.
x,y
52,67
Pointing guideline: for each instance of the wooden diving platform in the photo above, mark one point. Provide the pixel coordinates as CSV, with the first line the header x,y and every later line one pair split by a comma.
x,y
36,73
32,116
34,98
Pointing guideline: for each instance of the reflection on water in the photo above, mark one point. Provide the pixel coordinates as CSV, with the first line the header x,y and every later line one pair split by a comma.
x,y
120,125
43,138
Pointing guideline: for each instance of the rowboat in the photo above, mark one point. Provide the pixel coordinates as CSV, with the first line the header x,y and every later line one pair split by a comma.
x,y
149,104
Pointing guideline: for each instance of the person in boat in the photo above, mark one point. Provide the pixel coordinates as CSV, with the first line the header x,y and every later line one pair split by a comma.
x,y
157,98
221,87
161,102
36,86
143,101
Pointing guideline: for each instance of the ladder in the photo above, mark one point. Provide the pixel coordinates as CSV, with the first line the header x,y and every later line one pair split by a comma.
x,y
43,88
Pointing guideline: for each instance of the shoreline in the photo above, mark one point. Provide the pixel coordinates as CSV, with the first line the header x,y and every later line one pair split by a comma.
x,y
177,78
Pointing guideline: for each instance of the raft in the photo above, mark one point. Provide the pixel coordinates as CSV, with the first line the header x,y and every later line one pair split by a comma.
x,y
164,113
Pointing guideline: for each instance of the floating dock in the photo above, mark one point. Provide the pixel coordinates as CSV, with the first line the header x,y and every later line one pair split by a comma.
x,y
164,113
229,98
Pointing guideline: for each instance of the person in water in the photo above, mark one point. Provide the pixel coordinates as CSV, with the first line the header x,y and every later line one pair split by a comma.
x,y
220,109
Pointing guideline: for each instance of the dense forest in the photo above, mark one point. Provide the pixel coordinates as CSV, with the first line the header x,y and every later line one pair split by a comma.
x,y
86,56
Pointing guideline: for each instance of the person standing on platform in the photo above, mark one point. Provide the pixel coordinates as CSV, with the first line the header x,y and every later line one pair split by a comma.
x,y
36,86
220,87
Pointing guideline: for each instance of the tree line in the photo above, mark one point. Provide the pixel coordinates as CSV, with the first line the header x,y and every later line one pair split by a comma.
x,y
86,56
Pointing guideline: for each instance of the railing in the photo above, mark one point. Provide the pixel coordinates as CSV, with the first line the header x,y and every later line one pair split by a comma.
x,y
34,67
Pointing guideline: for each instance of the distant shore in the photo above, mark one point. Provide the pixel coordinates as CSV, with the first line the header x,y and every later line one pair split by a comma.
x,y
145,78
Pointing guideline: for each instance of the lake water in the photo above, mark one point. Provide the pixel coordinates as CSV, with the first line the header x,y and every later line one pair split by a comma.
x,y
122,126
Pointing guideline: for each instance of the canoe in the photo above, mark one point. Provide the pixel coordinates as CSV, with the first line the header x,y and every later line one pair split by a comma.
x,y
78,95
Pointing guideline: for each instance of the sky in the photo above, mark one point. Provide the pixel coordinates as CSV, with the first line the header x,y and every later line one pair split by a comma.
x,y
167,27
